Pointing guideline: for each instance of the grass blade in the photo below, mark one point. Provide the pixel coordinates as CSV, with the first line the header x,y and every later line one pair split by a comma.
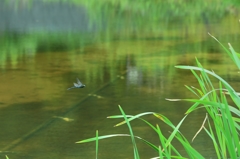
x,y
136,154
96,144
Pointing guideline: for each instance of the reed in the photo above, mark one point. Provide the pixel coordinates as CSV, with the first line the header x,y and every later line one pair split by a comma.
x,y
221,122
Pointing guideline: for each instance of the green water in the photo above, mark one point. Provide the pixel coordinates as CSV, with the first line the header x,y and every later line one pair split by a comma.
x,y
131,66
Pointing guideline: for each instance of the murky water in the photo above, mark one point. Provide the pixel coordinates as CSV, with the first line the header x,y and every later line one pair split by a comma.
x,y
40,118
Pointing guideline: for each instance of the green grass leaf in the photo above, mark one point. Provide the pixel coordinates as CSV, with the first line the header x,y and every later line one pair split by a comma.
x,y
96,144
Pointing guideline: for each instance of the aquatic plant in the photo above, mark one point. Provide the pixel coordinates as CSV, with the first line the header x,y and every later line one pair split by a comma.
x,y
221,122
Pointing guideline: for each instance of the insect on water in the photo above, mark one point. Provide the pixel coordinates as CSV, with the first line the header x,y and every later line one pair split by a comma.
x,y
77,85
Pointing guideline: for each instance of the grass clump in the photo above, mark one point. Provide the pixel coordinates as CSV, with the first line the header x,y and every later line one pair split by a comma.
x,y
222,119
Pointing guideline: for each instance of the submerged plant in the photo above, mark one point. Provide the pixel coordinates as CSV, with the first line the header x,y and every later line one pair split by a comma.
x,y
224,132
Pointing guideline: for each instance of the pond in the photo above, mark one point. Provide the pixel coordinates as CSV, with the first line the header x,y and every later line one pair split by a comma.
x,y
120,62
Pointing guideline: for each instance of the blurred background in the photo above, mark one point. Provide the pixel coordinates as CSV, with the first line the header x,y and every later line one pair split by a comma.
x,y
124,51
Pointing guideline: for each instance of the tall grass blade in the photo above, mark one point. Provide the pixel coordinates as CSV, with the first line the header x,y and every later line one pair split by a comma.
x,y
212,136
191,89
188,148
100,138
96,144
175,131
227,51
136,154
235,56
130,117
164,152
231,91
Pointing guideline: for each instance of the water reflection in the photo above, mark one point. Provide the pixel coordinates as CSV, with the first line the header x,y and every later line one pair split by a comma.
x,y
134,75
40,94
133,67
95,95
64,118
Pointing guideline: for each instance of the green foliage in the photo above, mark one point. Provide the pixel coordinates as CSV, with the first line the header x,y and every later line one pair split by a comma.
x,y
225,118
96,144
166,148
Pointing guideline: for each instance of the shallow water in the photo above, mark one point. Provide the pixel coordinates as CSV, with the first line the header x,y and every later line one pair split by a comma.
x,y
39,118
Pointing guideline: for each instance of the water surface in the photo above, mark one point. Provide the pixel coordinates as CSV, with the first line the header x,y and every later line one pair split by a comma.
x,y
40,118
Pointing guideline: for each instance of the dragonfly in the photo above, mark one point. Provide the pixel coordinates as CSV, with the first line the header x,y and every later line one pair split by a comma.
x,y
77,85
